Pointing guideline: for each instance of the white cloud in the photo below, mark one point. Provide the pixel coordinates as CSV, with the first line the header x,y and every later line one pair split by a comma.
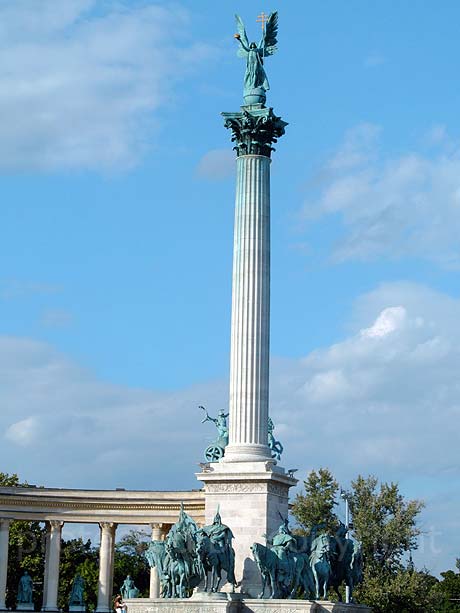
x,y
385,400
217,164
23,432
391,207
82,81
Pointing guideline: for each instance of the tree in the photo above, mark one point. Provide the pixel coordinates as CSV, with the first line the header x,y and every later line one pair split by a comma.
x,y
78,557
386,525
384,522
317,504
130,560
449,590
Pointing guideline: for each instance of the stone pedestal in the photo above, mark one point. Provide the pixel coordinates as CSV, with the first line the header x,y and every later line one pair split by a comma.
x,y
253,497
77,608
233,604
25,606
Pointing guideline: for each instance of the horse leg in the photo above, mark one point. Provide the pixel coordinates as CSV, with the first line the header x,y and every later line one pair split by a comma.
x,y
315,577
219,579
264,581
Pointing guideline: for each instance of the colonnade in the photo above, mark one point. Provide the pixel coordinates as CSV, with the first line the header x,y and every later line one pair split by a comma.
x,y
52,559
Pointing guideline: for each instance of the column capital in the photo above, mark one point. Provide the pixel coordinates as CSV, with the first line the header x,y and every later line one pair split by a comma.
x,y
55,524
5,522
254,130
108,526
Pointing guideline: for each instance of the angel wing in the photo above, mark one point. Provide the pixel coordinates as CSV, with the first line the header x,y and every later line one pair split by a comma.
x,y
269,40
243,36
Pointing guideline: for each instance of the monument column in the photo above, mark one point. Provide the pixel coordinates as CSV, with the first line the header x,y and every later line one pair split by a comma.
x,y
250,332
106,553
250,489
4,540
52,559
158,534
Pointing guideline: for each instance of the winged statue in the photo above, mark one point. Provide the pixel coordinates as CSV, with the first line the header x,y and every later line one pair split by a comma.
x,y
256,77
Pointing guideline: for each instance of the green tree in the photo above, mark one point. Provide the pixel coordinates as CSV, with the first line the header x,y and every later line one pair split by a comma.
x,y
384,522
448,590
78,557
317,504
130,560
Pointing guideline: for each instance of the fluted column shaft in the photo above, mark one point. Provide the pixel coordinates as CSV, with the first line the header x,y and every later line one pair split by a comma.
x,y
157,535
250,334
52,559
106,553
4,540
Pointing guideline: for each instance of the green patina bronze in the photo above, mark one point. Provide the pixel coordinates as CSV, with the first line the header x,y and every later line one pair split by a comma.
x,y
216,449
293,566
189,555
25,589
77,592
255,78
128,589
254,130
276,447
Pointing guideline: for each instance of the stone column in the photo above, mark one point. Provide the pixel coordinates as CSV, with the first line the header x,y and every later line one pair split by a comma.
x,y
4,540
106,552
254,130
250,333
246,484
158,534
52,559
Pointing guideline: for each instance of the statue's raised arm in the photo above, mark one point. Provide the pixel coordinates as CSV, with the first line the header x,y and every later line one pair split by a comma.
x,y
255,79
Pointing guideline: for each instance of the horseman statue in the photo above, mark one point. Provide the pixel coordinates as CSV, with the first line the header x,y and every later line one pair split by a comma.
x,y
216,552
293,565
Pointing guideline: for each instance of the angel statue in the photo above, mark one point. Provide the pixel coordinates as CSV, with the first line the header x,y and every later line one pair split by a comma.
x,y
255,79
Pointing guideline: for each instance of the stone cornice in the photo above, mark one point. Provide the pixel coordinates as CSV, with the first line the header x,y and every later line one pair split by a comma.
x,y
42,504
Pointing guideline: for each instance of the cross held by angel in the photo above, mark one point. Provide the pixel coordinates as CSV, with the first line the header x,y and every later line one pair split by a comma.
x,y
255,79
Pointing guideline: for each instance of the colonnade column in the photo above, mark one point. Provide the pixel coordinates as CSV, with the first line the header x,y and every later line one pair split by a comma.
x,y
158,534
52,559
4,540
106,553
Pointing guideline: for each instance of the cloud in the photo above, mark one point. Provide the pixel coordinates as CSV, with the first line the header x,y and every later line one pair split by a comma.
x,y
56,318
390,207
373,60
23,432
217,164
82,82
13,289
384,400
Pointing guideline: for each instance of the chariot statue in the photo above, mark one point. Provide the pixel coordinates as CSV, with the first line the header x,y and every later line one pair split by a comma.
x,y
216,449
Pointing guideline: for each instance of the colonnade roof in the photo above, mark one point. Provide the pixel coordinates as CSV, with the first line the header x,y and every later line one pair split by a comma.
x,y
91,506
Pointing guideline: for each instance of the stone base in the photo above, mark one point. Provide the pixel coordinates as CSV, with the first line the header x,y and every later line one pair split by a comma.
x,y
77,608
253,499
235,603
25,606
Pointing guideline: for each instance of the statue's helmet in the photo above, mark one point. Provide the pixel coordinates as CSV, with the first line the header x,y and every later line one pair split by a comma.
x,y
253,46
217,517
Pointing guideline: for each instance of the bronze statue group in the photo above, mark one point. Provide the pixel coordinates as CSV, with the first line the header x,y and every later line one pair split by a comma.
x,y
291,566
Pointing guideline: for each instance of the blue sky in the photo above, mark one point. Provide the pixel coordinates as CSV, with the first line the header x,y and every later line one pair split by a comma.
x,y
116,222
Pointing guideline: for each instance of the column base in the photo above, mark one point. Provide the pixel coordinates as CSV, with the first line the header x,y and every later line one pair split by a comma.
x,y
247,453
51,609
77,608
103,610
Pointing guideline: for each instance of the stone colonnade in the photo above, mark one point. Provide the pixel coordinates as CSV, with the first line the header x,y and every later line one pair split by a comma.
x,y
52,559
